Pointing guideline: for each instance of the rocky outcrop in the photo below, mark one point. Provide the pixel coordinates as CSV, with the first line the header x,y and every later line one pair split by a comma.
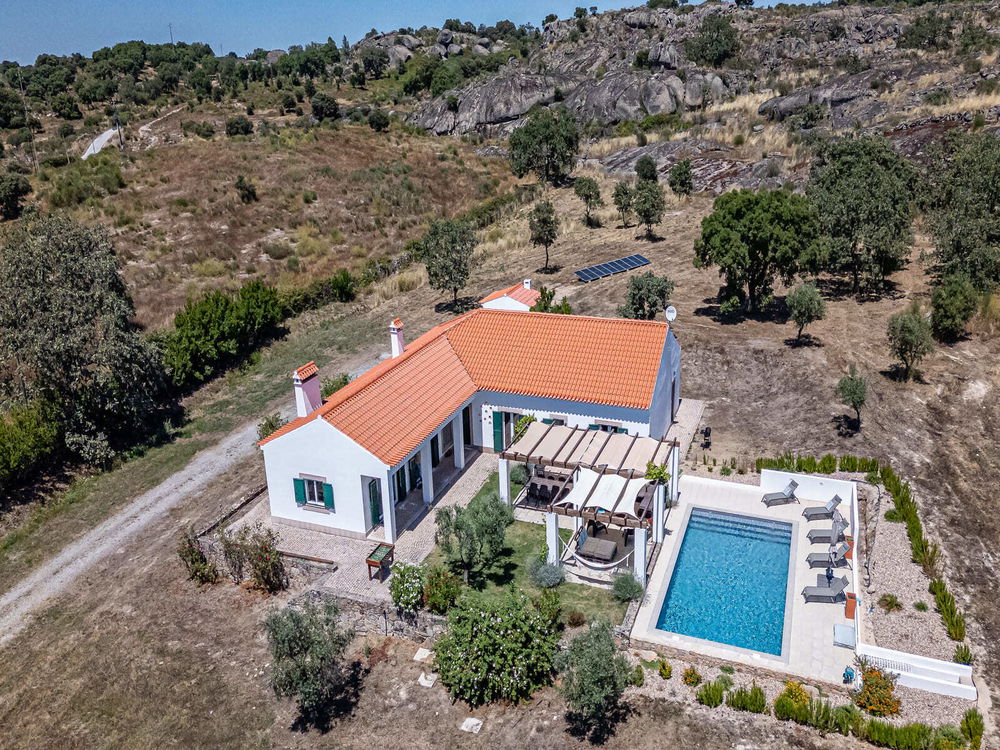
x,y
663,55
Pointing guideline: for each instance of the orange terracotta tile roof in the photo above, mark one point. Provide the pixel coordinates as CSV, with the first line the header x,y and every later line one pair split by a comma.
x,y
518,292
307,371
394,406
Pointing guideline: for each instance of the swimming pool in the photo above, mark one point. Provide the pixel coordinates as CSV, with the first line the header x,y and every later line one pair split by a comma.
x,y
730,581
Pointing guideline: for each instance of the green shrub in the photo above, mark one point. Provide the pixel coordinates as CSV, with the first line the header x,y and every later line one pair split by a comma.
x,y
549,605
406,587
495,649
893,515
86,181
341,287
519,475
238,125
29,436
201,129
906,737
664,669
827,464
711,694
441,589
543,574
267,571
625,588
197,564
269,425
638,676
594,674
793,703
920,606
973,728
849,720
716,42
308,196
889,602
575,618
331,385
750,699
963,654
691,677
246,189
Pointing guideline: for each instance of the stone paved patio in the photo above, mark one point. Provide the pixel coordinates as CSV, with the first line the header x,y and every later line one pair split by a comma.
x,y
413,545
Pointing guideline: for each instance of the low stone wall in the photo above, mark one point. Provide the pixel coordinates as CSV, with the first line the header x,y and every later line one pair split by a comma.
x,y
382,619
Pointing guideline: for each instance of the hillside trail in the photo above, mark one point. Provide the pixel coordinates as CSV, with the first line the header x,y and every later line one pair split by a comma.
x,y
55,576
104,138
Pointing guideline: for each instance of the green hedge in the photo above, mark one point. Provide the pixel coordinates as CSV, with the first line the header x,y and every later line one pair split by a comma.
x,y
29,435
341,287
827,464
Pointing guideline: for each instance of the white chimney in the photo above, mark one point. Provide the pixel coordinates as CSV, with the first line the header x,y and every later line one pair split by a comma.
x,y
305,383
527,283
396,337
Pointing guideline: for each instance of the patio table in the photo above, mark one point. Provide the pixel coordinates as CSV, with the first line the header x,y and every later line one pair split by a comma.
x,y
379,560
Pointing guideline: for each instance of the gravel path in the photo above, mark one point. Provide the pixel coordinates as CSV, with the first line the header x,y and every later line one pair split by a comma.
x,y
54,576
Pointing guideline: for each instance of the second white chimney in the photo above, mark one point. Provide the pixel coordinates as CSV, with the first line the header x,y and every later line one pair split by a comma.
x,y
305,383
396,337
527,283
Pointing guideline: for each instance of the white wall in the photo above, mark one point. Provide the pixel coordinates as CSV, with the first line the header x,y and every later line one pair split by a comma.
x,y
661,410
923,673
319,449
813,488
576,414
506,303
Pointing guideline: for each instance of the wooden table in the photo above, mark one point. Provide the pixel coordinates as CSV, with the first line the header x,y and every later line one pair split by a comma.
x,y
379,560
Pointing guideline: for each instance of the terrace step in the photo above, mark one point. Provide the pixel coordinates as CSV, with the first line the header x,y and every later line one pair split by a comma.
x,y
741,526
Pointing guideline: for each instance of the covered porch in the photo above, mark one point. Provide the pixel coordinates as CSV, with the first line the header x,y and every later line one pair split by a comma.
x,y
612,488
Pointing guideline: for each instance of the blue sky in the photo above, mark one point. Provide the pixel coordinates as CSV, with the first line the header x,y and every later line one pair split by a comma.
x,y
30,27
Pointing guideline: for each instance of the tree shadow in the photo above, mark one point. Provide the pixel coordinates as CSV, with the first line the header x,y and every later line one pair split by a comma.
x,y
549,270
464,304
598,730
650,237
341,706
847,426
803,341
897,373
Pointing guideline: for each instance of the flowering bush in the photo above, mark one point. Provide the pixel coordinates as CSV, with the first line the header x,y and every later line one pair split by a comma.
x,y
877,695
266,568
441,589
406,587
495,649
193,556
665,670
691,677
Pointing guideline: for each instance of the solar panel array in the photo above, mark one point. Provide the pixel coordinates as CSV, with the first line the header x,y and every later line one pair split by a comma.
x,y
612,267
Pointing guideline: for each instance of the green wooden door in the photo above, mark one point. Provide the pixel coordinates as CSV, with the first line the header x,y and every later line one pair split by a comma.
x,y
400,485
435,450
375,501
498,443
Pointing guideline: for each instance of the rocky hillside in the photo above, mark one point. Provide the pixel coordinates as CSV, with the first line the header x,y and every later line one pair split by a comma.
x,y
850,66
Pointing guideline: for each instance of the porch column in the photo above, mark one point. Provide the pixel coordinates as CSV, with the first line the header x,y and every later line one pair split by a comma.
x,y
659,512
639,556
458,438
427,472
389,508
504,471
552,538
675,473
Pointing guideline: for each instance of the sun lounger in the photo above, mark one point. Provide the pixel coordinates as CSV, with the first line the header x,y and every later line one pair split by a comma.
x,y
822,512
835,557
597,549
787,495
829,536
829,594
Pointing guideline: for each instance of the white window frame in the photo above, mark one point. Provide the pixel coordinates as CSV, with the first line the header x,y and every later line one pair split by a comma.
x,y
314,492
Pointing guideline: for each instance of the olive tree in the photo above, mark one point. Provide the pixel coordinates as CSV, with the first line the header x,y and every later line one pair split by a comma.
x,y
594,678
647,296
622,197
755,237
546,145
805,305
472,537
446,250
645,168
649,204
544,227
863,192
679,178
852,390
589,192
307,655
910,338
953,304
324,107
13,189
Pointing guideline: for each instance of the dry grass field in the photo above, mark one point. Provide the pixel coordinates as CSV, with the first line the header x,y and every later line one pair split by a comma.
x,y
138,657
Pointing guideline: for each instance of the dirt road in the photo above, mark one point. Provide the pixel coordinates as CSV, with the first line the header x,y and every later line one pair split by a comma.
x,y
56,575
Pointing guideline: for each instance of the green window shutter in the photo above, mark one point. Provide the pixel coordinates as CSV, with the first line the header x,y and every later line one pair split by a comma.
x,y
328,496
498,445
546,421
594,427
300,491
620,429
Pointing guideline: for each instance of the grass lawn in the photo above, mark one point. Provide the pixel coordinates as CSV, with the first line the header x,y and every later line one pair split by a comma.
x,y
523,540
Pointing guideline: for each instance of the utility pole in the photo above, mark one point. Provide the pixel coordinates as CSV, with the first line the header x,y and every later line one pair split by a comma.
x,y
171,27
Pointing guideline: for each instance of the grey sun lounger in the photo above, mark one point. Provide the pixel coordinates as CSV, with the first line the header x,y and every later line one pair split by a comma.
x,y
822,512
832,535
829,594
836,557
787,495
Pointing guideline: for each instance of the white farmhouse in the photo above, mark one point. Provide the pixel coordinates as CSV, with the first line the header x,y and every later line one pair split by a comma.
x,y
346,465
519,297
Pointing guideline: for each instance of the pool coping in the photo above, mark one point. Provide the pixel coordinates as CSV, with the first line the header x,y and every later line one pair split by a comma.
x,y
685,642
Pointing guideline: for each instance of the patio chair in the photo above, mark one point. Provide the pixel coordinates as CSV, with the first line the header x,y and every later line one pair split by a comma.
x,y
828,594
787,495
822,512
832,535
835,557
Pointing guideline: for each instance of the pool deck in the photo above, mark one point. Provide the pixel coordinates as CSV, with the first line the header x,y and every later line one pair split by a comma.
x,y
807,651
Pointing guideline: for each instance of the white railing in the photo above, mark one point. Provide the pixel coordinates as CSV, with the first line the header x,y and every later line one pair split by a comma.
x,y
922,672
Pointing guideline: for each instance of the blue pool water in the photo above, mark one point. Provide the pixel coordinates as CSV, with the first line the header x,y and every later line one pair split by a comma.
x,y
729,581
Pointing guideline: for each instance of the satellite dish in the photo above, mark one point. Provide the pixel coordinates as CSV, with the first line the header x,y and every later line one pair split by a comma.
x,y
671,313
